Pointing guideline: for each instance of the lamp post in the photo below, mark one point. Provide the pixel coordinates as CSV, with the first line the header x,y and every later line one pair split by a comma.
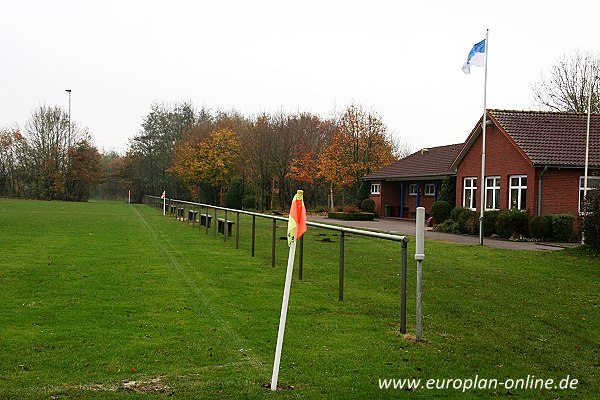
x,y
69,138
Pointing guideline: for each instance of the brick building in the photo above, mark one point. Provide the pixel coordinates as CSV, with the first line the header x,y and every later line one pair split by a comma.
x,y
534,161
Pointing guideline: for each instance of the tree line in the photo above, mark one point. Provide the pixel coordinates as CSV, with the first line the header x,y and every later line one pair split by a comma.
x,y
255,162
51,158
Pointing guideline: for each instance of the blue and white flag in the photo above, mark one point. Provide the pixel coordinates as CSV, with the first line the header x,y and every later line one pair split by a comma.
x,y
476,57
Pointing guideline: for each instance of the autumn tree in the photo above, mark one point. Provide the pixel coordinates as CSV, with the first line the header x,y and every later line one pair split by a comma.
x,y
567,85
360,145
208,160
12,174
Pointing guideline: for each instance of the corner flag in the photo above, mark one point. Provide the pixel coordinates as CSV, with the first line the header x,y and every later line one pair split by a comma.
x,y
297,218
296,228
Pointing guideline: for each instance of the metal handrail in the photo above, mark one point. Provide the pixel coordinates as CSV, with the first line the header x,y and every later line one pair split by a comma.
x,y
158,202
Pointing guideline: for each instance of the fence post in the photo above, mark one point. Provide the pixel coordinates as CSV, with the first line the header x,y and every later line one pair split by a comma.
x,y
420,256
301,257
341,285
237,231
273,243
215,223
403,286
225,231
253,233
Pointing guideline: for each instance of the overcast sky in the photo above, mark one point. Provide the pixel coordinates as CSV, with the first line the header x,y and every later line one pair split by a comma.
x,y
400,58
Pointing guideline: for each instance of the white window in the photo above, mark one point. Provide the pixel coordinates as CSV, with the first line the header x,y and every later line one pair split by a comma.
x,y
429,189
375,188
492,193
412,189
592,184
470,193
518,192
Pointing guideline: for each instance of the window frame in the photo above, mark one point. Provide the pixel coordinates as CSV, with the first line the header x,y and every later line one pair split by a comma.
x,y
589,187
472,189
495,189
378,188
520,188
410,191
427,187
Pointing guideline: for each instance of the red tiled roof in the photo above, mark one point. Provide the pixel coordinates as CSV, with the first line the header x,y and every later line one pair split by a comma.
x,y
551,138
425,163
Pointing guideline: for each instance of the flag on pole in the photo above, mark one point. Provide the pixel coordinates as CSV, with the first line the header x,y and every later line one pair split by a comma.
x,y
297,218
164,195
476,57
296,228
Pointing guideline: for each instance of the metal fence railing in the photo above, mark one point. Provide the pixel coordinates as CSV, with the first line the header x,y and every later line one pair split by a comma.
x,y
192,213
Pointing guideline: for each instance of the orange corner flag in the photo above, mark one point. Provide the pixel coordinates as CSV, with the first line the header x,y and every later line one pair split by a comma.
x,y
297,218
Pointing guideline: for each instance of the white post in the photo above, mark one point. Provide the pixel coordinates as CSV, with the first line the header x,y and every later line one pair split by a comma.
x,y
283,316
587,148
420,256
482,184
165,207
129,197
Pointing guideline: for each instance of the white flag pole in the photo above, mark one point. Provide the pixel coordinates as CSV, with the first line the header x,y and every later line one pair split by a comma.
x,y
482,184
282,318
165,205
129,197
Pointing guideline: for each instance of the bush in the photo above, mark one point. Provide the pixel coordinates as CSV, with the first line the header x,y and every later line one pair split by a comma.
x,y
461,215
368,205
456,212
562,227
541,227
512,223
590,222
448,226
440,211
234,194
489,223
359,216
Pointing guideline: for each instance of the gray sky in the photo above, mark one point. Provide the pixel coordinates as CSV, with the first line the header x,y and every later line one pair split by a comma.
x,y
400,58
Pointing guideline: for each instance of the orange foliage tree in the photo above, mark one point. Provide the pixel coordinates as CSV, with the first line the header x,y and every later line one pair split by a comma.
x,y
212,159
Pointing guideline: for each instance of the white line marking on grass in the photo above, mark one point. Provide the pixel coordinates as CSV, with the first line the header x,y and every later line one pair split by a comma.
x,y
172,259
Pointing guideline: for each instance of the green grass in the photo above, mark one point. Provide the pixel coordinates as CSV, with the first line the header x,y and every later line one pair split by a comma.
x,y
100,293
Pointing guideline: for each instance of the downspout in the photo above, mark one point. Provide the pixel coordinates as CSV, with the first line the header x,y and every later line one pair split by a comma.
x,y
539,205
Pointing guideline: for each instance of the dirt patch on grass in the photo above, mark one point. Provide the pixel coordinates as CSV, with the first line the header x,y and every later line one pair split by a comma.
x,y
153,385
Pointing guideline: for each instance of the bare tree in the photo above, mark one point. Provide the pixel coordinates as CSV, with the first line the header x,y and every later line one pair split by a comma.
x,y
567,85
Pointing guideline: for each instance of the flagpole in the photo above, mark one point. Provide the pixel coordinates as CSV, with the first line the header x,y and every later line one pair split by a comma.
x,y
283,316
587,149
483,123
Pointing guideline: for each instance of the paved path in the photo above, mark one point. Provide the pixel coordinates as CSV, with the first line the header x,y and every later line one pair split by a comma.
x,y
403,227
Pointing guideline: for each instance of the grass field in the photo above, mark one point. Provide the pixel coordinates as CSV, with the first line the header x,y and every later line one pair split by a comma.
x,y
110,300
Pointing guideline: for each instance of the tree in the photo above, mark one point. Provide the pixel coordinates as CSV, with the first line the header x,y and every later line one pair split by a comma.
x,y
12,176
48,138
208,160
85,170
360,145
566,88
162,128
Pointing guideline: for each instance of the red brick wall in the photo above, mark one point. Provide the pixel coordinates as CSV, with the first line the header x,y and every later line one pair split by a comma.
x,y
560,191
503,160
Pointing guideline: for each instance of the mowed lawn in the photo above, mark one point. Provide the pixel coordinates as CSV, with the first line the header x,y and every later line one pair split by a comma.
x,y
110,300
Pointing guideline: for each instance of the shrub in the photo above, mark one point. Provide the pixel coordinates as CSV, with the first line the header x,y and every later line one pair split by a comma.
x,y
456,212
448,226
234,194
350,209
448,190
368,205
359,216
440,211
489,222
471,223
461,215
512,223
562,227
541,227
590,222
